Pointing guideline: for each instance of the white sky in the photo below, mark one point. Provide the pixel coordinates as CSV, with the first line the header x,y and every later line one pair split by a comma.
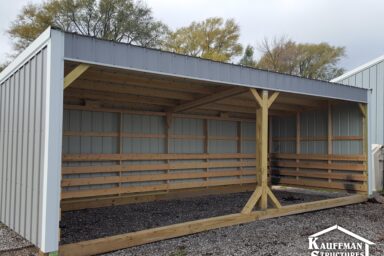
x,y
356,24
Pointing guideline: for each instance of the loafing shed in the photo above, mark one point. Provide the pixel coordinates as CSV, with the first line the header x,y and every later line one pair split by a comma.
x,y
87,123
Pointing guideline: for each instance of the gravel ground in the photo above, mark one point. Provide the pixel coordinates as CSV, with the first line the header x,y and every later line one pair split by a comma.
x,y
280,236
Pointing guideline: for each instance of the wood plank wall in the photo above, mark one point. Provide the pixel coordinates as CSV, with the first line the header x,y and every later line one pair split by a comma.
x,y
111,161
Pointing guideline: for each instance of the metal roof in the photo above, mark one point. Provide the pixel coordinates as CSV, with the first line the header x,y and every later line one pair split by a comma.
x,y
120,55
358,69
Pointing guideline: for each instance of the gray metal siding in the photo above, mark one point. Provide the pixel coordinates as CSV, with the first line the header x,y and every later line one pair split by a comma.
x,y
22,145
346,121
102,52
88,121
283,127
372,78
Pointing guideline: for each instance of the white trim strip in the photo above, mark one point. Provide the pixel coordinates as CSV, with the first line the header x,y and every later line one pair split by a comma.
x,y
51,187
23,57
358,69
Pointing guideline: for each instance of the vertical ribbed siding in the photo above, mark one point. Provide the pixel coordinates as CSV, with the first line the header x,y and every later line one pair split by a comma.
x,y
21,149
346,121
372,78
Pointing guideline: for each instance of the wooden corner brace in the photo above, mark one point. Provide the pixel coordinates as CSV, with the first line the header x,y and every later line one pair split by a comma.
x,y
74,74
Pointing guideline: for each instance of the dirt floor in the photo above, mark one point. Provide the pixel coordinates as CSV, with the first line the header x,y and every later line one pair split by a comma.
x,y
279,236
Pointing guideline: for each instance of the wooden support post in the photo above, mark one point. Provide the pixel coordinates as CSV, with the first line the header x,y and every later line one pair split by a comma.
x,y
262,191
329,139
364,113
167,138
121,130
298,142
239,144
261,148
74,74
270,141
206,143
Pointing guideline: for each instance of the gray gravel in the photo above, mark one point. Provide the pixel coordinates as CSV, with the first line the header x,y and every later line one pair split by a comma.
x,y
11,244
96,223
279,236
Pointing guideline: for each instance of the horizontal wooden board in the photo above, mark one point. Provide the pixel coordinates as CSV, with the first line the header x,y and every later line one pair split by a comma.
x,y
152,177
348,186
154,167
320,157
147,188
323,175
137,157
104,201
113,243
318,138
314,165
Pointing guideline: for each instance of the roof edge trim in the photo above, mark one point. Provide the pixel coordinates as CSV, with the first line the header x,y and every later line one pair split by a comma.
x,y
25,55
358,69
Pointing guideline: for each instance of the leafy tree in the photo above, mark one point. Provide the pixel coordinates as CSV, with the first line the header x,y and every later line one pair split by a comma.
x,y
119,20
212,38
248,59
3,66
317,61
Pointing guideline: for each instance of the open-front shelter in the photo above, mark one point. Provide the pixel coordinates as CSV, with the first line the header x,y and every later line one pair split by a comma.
x,y
91,123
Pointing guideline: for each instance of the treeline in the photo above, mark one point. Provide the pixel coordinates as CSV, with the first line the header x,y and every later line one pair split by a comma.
x,y
132,22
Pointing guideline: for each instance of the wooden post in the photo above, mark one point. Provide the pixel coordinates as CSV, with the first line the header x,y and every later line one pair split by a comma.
x,y
270,145
167,138
298,142
206,144
364,114
239,145
121,129
262,147
262,191
330,134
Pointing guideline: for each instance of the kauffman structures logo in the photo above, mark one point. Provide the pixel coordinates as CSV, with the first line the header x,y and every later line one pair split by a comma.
x,y
357,248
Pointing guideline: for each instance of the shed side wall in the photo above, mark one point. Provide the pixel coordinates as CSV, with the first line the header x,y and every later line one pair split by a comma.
x,y
22,129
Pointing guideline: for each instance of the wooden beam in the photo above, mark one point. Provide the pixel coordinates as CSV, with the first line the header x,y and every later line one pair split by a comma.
x,y
273,198
272,98
363,109
74,74
208,99
113,243
262,148
105,201
252,200
257,96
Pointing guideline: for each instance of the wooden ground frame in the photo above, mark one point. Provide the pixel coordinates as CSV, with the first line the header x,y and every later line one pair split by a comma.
x,y
91,88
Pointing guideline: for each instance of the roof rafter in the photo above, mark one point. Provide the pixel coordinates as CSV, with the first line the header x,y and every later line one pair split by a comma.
x,y
208,99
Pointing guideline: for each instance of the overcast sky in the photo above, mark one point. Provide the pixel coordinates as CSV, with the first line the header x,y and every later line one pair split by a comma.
x,y
355,24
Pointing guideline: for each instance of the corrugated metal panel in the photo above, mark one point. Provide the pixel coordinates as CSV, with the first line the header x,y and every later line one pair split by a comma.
x,y
371,77
283,127
102,52
187,126
22,125
346,121
313,124
226,129
248,144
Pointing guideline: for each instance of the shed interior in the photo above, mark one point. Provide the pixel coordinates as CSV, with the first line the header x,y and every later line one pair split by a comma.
x,y
131,137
